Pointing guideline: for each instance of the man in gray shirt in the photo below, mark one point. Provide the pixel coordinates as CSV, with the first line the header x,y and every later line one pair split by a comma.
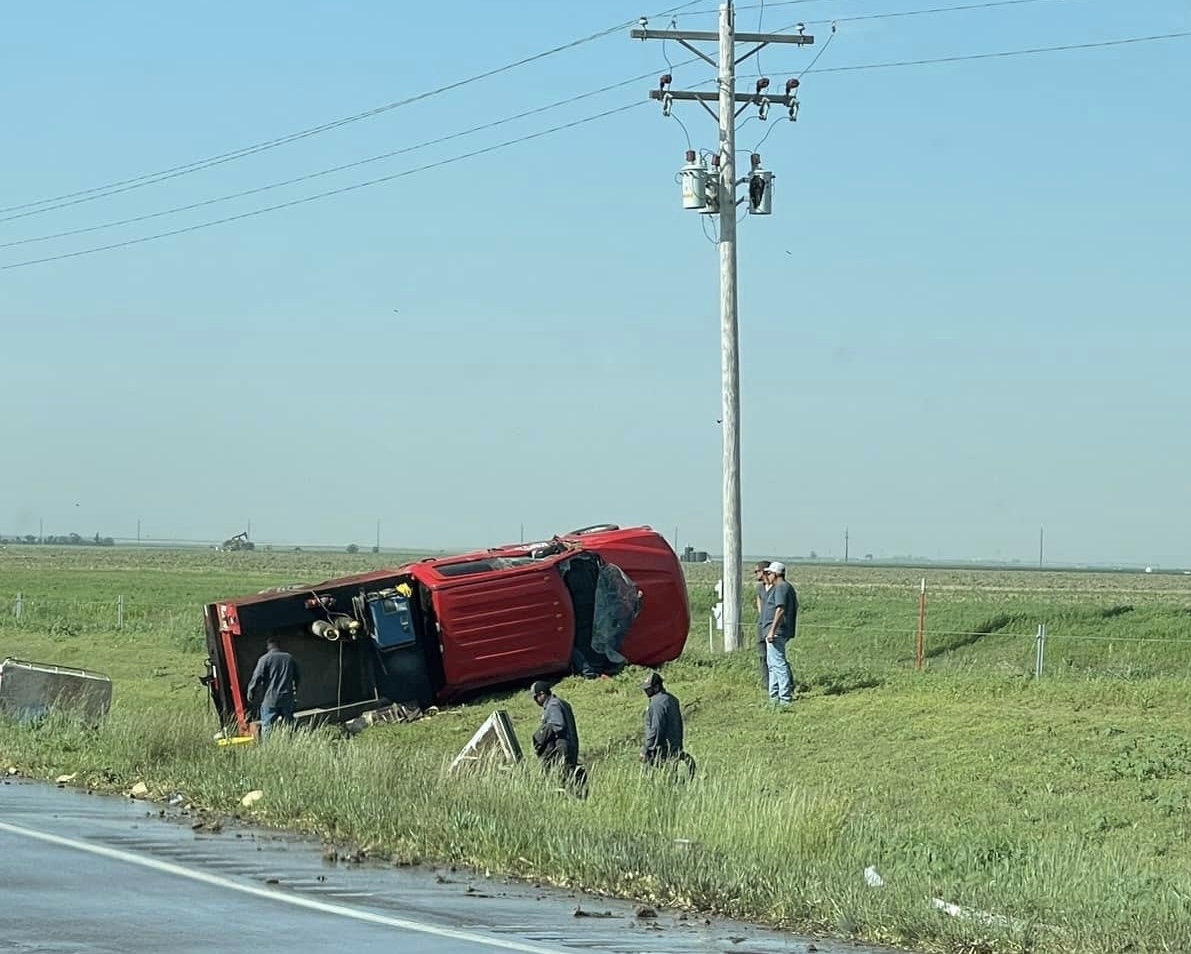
x,y
556,740
275,680
663,728
663,723
778,616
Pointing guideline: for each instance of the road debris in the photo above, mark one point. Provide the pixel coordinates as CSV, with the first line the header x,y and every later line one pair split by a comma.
x,y
252,798
397,712
969,914
30,690
495,738
139,790
872,879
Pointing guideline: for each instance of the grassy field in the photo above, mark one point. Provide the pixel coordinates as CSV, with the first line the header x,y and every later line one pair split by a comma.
x,y
1060,805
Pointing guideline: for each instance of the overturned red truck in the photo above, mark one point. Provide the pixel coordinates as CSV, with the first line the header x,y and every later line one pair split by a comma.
x,y
588,601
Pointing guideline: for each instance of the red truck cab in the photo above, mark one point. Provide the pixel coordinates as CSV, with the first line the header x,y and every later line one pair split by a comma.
x,y
588,601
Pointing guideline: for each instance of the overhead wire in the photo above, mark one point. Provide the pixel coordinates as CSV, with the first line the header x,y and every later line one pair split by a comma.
x,y
670,67
64,200
552,130
765,4
415,147
760,28
809,66
182,170
982,5
1000,54
927,11
331,192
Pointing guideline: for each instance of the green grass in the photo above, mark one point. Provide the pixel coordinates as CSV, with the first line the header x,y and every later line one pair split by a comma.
x,y
1062,803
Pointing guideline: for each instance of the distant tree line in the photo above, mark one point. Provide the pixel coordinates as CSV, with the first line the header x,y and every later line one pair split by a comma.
x,y
70,540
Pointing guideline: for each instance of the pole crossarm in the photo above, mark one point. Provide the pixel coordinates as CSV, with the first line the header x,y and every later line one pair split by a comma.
x,y
710,36
711,97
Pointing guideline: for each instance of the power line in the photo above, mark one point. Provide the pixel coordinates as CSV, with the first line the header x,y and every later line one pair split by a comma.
x,y
125,185
507,143
807,69
1100,44
766,5
770,4
895,14
332,192
960,8
493,124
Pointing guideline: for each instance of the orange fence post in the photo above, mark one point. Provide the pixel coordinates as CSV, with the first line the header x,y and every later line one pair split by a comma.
x,y
919,640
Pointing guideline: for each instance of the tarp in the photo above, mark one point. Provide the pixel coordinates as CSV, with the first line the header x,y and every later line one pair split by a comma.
x,y
617,604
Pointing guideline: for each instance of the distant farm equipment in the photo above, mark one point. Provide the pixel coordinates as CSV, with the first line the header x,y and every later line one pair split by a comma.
x,y
239,542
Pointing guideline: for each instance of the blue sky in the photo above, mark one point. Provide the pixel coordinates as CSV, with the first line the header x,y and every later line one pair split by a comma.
x,y
959,325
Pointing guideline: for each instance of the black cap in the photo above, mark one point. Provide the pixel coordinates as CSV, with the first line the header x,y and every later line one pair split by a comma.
x,y
653,681
538,688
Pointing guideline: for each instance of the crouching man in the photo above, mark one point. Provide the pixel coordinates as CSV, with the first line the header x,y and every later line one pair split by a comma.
x,y
664,729
556,740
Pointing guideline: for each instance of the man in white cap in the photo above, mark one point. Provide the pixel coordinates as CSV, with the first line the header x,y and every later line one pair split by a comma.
x,y
778,615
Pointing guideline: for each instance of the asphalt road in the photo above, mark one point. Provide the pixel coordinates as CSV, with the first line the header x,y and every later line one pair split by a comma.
x,y
84,874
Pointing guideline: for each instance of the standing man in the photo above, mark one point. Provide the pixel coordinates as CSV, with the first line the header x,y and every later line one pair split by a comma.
x,y
275,681
780,613
556,741
762,647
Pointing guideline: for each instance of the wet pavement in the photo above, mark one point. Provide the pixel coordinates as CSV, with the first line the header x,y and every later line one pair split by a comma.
x,y
90,874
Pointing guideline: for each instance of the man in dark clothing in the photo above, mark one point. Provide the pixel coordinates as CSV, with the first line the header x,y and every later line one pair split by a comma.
x,y
663,727
762,587
663,723
556,740
274,682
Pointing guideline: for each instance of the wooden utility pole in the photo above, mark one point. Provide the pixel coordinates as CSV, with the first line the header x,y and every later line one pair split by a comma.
x,y
720,198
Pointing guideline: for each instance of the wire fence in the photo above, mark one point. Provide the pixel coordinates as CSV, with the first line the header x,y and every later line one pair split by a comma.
x,y
915,645
59,616
1067,644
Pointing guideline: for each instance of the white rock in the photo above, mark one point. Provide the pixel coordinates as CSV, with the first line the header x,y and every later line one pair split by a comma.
x,y
252,798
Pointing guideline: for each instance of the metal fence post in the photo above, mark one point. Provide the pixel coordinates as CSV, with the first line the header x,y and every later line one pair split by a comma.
x,y
119,612
18,607
1039,650
920,635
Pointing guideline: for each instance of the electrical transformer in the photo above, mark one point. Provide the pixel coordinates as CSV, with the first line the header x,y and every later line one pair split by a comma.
x,y
694,183
760,183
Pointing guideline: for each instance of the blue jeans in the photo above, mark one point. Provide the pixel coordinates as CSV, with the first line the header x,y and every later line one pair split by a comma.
x,y
781,680
271,714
